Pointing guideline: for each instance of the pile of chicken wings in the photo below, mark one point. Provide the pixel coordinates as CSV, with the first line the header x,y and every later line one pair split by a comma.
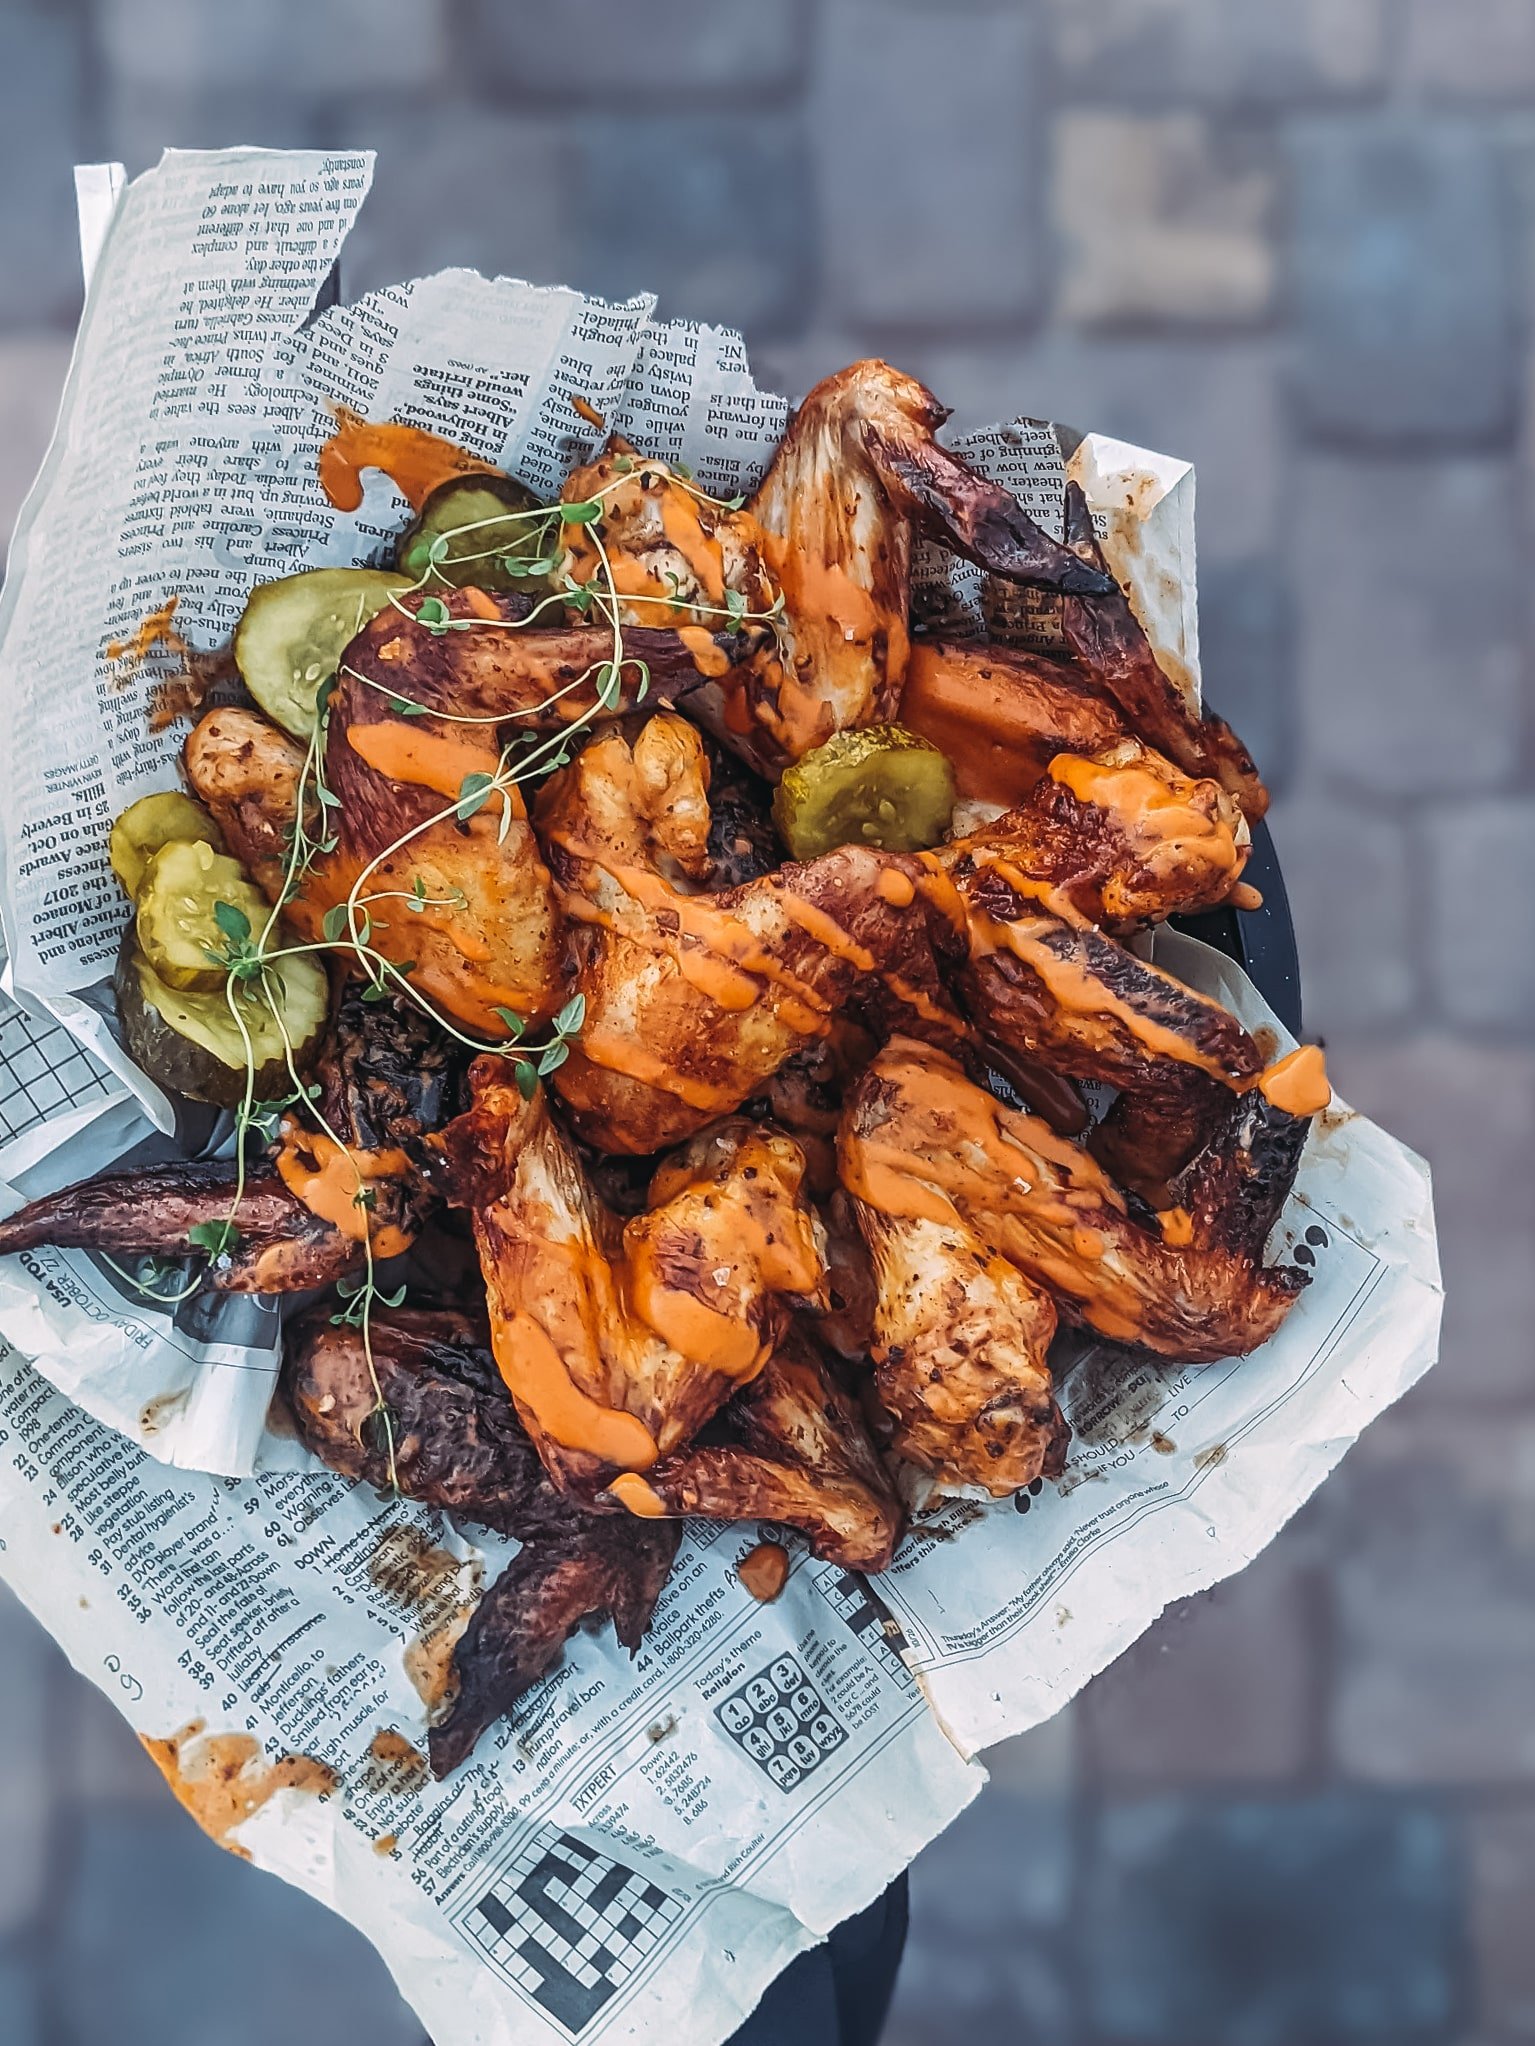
x,y
789,1233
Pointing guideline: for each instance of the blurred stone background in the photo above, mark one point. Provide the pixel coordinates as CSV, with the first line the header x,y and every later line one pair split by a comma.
x,y
1295,241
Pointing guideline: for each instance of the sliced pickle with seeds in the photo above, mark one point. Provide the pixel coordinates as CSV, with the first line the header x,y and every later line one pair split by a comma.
x,y
876,785
461,512
153,821
184,886
293,632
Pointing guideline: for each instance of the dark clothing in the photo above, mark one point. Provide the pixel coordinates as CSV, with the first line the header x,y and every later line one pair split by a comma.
x,y
838,1993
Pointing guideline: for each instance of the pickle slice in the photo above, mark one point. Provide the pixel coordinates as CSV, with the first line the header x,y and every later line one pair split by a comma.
x,y
476,551
876,785
190,1044
148,824
293,633
179,931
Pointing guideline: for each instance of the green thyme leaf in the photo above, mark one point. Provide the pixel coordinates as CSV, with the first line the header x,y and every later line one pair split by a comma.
x,y
515,1024
585,513
473,794
213,1237
233,922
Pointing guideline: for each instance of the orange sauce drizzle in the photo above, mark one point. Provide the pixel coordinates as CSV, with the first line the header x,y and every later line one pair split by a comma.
x,y
537,1378
1073,988
1177,1227
764,1571
154,630
430,760
327,1178
699,1332
708,658
631,1491
413,459
896,888
615,1053
1298,1084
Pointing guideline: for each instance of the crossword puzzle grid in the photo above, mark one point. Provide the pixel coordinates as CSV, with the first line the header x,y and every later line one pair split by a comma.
x,y
42,1072
568,1926
849,1598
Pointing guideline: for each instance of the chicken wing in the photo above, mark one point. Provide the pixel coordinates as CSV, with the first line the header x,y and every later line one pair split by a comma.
x,y
1107,640
1002,715
857,474
608,1568
387,1077
693,1001
428,1414
792,1447
1118,839
920,1142
619,1340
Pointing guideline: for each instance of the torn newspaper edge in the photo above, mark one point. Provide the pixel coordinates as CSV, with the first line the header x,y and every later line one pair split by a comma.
x,y
642,1846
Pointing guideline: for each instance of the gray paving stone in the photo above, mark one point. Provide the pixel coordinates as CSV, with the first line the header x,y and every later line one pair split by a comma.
x,y
1377,207
164,1938
1164,51
1039,1763
1476,49
658,50
990,1901
106,1762
139,120
1470,1110
1247,657
1346,870
32,369
29,1663
1162,219
1216,403
927,173
21,2015
288,46
490,192
1503,1884
1265,1923
1435,1594
712,211
1482,913
42,136
1409,578
1225,1688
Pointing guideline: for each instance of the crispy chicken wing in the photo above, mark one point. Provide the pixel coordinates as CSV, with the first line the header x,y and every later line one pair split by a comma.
x,y
960,1339
619,1340
609,1568
694,1001
1002,714
858,472
387,1076
1106,638
1118,839
920,1142
418,716
432,1392
791,1446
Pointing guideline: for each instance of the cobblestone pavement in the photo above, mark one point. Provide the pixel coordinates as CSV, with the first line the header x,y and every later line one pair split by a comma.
x,y
1297,243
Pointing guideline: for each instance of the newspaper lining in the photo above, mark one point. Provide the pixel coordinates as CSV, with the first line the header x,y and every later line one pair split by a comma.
x,y
640,1847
